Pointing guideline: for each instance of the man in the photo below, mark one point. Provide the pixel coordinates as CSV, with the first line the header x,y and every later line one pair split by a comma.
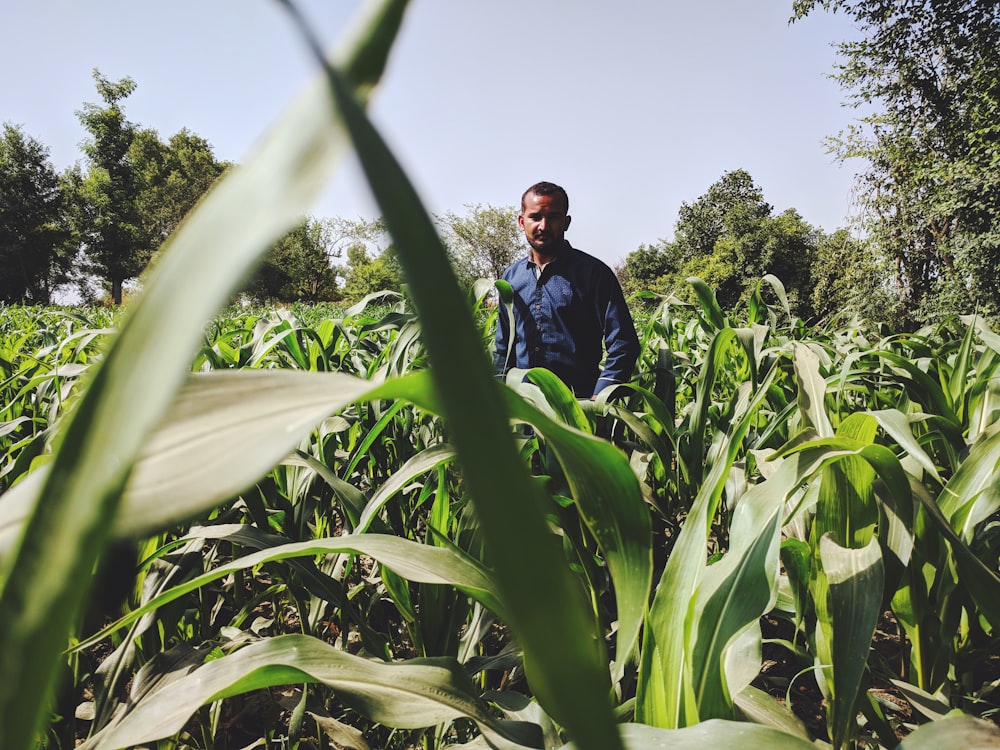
x,y
568,305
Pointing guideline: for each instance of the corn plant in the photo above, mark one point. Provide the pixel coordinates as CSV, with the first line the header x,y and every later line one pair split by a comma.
x,y
341,511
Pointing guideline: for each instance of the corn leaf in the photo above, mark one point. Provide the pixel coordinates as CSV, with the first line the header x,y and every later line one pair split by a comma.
x,y
709,303
962,731
811,391
45,581
412,694
854,579
607,494
733,595
665,693
566,668
711,733
414,561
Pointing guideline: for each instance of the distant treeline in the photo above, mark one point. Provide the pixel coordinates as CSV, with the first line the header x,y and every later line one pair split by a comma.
x,y
924,245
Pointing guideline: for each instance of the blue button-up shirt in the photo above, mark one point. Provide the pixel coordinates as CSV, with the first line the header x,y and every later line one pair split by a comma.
x,y
563,319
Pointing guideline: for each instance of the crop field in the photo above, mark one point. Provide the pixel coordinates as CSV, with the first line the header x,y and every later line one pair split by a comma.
x,y
297,560
335,528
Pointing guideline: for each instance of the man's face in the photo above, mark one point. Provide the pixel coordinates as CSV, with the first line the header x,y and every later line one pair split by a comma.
x,y
544,220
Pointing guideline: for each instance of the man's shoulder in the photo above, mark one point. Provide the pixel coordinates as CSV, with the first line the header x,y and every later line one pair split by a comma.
x,y
585,260
519,265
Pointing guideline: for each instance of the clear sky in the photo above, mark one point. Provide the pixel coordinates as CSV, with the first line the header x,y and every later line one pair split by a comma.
x,y
633,106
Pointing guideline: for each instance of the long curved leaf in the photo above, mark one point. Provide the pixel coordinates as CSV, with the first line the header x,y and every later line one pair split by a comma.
x,y
609,499
409,695
855,578
45,582
712,733
665,695
563,658
953,730
418,562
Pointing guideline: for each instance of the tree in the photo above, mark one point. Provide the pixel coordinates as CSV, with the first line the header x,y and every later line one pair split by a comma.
x,y
784,246
849,278
34,254
366,274
299,267
729,238
650,268
371,263
733,205
483,242
302,265
931,191
172,178
108,214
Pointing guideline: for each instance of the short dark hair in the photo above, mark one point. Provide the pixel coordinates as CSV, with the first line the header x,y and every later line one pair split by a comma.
x,y
546,188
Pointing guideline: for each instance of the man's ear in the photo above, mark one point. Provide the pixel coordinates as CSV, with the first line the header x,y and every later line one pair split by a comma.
x,y
520,220
568,220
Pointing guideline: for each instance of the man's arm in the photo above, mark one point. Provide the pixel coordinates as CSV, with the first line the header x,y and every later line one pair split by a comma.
x,y
620,339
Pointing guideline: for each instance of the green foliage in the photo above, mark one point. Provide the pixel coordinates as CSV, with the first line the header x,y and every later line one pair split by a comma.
x,y
730,238
364,274
173,176
379,465
849,280
649,268
35,253
931,188
733,206
299,267
107,215
317,538
135,189
483,242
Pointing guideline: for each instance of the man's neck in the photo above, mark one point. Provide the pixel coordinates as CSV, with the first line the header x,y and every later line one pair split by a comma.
x,y
541,260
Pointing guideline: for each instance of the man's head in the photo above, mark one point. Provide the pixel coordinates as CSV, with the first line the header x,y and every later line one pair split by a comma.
x,y
544,217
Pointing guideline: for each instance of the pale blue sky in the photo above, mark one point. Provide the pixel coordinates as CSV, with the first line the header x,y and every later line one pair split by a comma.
x,y
633,106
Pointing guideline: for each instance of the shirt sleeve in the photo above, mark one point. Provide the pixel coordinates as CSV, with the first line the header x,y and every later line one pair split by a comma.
x,y
620,338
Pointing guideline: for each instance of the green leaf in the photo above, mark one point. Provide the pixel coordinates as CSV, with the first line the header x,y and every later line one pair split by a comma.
x,y
563,656
964,500
961,731
732,596
421,463
958,380
811,391
855,580
45,581
559,397
897,425
665,694
409,695
694,454
761,708
609,499
795,557
922,388
411,560
846,504
713,733
709,304
221,434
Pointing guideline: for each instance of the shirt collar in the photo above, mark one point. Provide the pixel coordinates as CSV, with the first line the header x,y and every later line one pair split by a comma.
x,y
566,247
